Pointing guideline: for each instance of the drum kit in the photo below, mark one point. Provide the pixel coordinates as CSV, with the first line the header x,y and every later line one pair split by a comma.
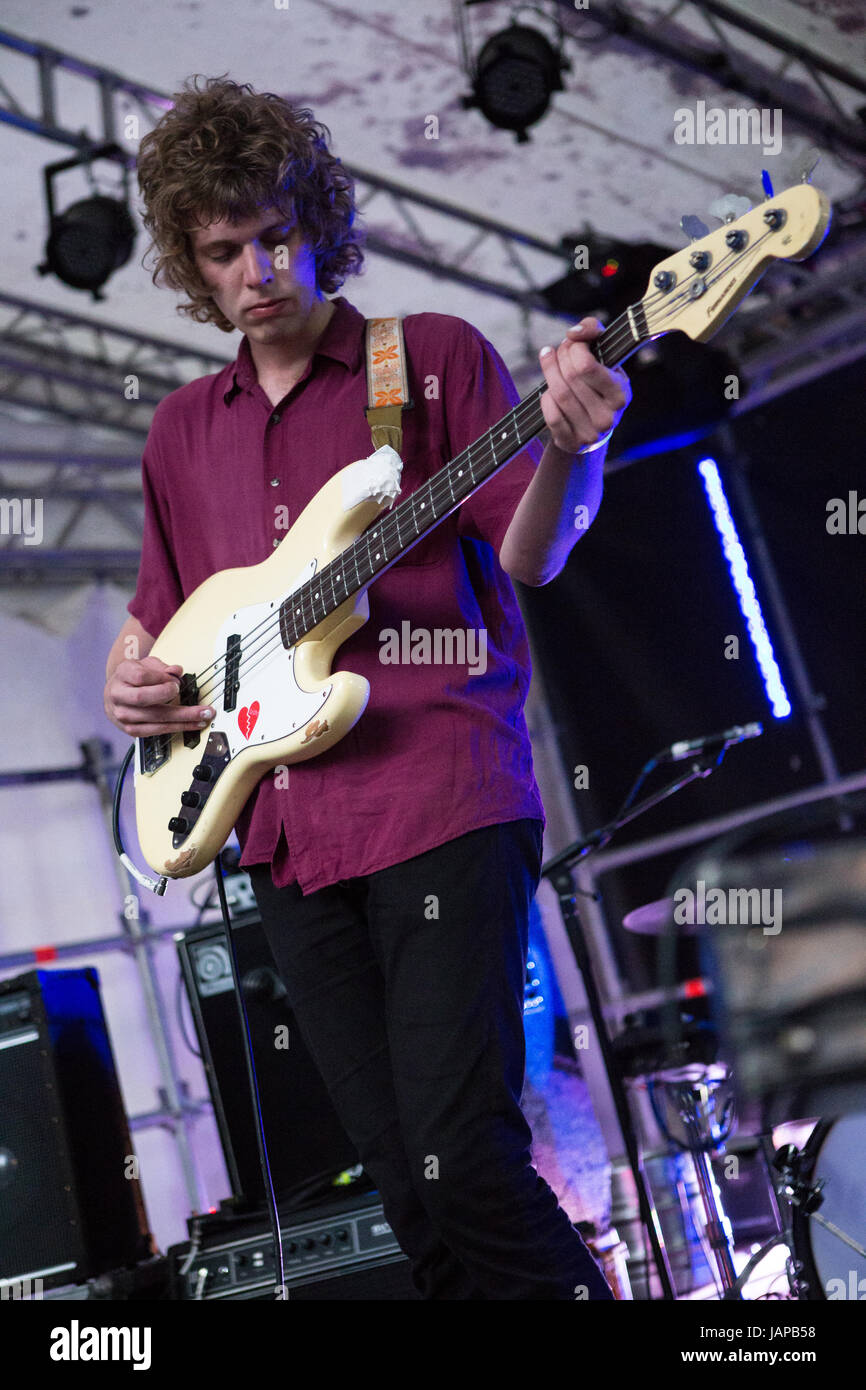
x,y
781,937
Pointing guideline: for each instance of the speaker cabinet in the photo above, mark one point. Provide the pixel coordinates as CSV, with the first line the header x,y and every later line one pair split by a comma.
x,y
69,1207
304,1136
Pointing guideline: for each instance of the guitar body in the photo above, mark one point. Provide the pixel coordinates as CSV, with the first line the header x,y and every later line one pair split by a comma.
x,y
289,705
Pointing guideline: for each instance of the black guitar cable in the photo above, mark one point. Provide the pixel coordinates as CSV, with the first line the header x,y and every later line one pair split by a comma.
x,y
280,1290
158,886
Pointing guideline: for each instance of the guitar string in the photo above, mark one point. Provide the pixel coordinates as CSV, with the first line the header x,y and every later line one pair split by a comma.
x,y
304,596
617,336
521,414
620,330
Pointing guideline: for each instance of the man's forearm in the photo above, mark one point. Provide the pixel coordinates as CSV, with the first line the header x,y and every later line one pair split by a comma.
x,y
554,512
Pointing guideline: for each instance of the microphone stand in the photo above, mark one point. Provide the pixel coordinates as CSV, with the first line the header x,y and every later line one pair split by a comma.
x,y
559,870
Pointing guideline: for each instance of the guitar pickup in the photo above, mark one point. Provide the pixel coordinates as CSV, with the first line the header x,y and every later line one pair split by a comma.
x,y
232,673
189,696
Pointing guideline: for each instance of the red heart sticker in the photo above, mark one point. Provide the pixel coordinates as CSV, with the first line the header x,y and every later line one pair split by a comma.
x,y
247,718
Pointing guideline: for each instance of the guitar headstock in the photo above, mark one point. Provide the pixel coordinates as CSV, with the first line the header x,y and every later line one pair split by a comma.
x,y
695,290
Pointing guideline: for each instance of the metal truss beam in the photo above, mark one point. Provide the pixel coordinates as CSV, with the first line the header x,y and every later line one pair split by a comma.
x,y
804,321
73,367
37,564
48,458
807,321
416,248
76,367
728,67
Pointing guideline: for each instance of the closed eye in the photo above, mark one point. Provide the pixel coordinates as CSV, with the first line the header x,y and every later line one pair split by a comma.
x,y
273,239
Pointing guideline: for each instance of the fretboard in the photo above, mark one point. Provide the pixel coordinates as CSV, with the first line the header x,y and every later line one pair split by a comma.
x,y
401,528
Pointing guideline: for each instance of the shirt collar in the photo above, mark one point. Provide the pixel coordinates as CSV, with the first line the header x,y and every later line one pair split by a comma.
x,y
343,340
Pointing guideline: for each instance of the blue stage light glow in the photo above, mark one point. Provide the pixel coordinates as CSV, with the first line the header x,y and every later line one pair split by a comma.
x,y
746,595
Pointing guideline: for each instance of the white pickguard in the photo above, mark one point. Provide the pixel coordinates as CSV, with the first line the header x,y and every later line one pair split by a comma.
x,y
267,678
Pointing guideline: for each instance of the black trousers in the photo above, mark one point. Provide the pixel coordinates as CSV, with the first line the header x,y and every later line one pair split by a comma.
x,y
408,987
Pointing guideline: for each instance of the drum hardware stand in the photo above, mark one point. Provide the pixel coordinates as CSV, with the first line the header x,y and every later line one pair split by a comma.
x,y
808,1196
560,871
694,1105
693,1096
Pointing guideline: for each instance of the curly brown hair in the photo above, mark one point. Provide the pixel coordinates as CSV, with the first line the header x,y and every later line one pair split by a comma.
x,y
226,151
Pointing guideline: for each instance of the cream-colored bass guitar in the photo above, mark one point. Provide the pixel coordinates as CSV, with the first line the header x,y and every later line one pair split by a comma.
x,y
257,643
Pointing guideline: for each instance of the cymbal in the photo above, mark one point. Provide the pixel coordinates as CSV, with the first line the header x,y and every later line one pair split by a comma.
x,y
654,919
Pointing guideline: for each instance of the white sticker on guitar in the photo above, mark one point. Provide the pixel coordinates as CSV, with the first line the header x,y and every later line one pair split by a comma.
x,y
377,476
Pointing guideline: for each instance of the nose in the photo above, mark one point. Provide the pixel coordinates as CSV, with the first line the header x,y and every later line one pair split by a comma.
x,y
256,263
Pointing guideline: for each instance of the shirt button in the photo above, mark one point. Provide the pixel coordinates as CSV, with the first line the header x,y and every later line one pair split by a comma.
x,y
275,482
276,543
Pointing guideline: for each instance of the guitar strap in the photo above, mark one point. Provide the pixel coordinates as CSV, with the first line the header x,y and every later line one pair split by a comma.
x,y
387,381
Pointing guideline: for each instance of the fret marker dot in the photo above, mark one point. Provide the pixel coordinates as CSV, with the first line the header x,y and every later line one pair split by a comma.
x,y
459,472
504,434
378,553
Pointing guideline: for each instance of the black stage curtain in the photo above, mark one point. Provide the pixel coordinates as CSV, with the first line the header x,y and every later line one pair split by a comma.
x,y
630,638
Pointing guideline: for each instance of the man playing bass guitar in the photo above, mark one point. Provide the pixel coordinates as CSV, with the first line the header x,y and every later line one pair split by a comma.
x,y
394,872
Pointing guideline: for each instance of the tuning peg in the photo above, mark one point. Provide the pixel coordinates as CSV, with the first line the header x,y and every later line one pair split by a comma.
x,y
729,207
767,183
693,227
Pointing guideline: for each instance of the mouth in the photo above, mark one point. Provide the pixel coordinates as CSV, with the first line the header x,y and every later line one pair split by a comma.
x,y
266,306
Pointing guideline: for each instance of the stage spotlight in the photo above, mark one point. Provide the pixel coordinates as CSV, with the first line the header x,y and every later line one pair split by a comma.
x,y
609,274
93,238
516,73
88,242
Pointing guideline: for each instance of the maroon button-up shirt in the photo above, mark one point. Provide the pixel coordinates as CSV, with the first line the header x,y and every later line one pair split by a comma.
x,y
439,750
